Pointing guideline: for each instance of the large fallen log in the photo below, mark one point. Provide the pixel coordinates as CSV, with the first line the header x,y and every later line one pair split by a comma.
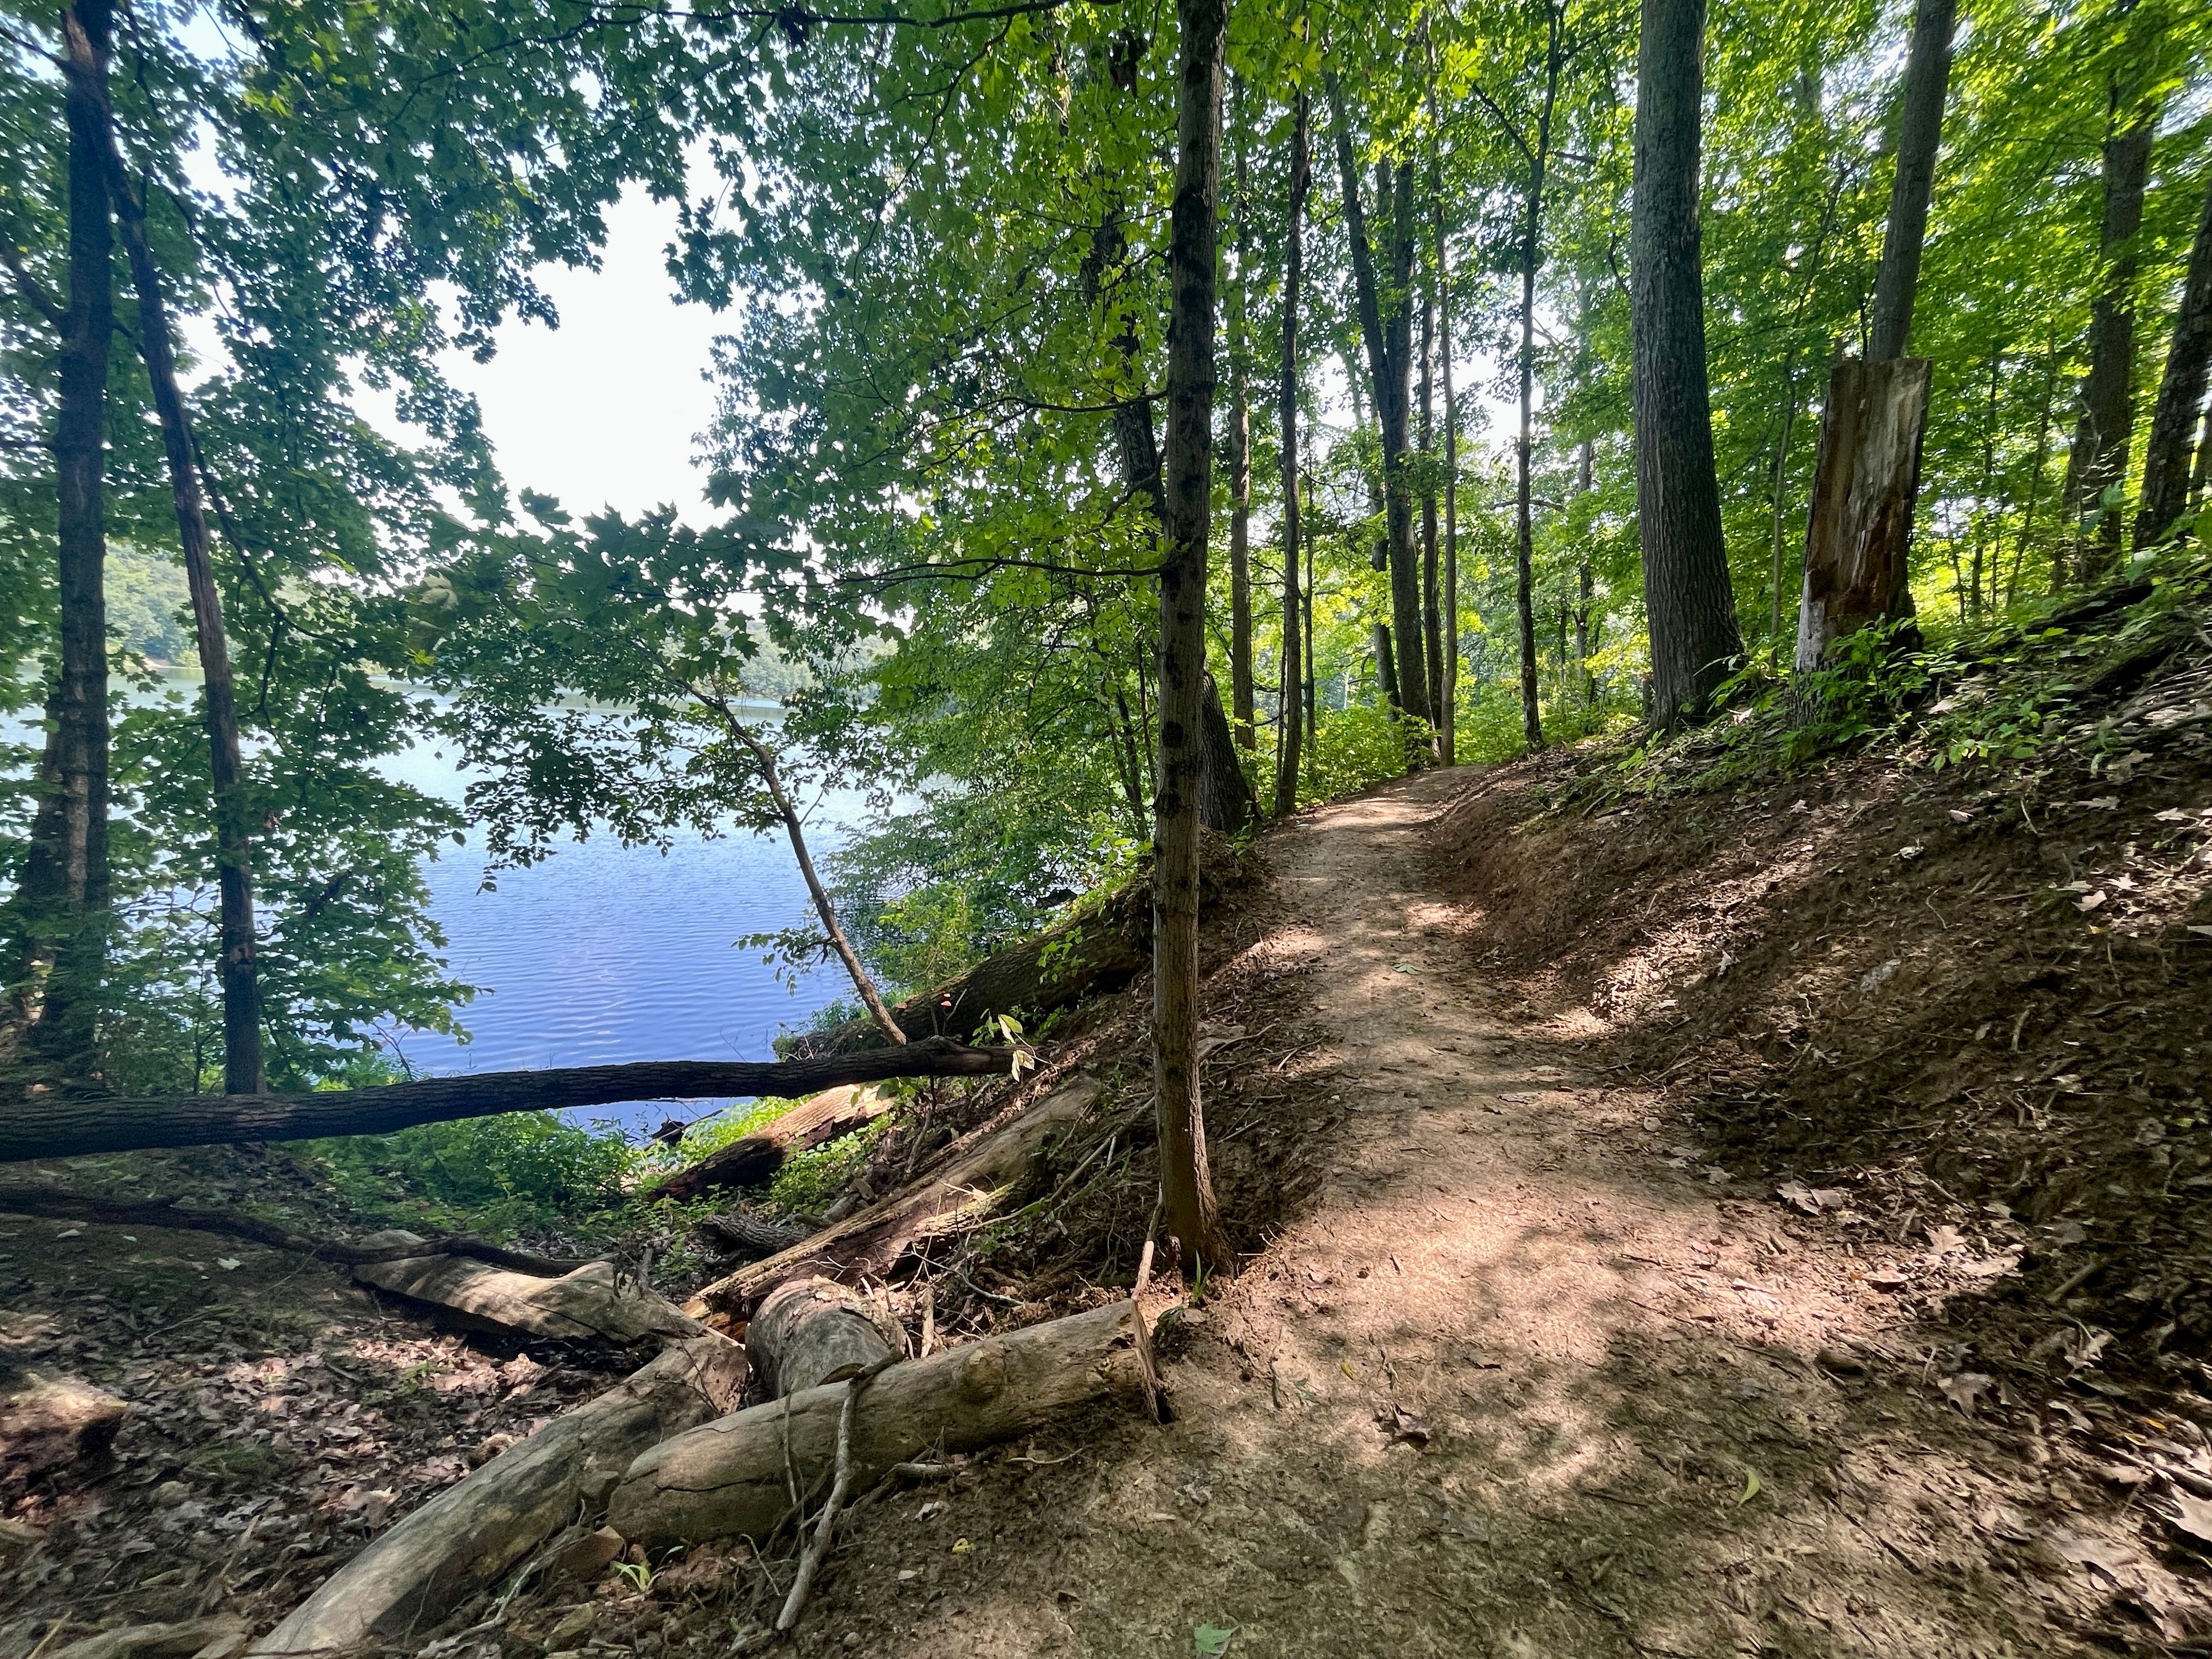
x,y
732,1476
810,1330
53,1124
589,1303
969,1186
753,1160
467,1536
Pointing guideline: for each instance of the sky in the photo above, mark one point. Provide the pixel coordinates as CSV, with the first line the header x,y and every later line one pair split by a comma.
x,y
603,411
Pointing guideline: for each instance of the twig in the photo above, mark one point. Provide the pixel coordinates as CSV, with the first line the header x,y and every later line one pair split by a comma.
x,y
222,1580
928,1320
810,1562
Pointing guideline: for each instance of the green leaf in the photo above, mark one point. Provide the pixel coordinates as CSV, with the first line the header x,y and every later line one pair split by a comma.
x,y
1213,1639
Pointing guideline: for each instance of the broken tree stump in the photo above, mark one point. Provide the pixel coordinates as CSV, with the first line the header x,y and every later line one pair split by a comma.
x,y
731,1477
48,1423
969,1187
467,1536
588,1304
754,1160
809,1330
1859,526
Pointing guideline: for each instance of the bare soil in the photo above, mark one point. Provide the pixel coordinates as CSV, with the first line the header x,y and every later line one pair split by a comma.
x,y
1593,1303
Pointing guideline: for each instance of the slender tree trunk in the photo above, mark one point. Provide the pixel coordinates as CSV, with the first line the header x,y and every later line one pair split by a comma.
x,y
1128,762
1919,136
2180,394
1388,339
240,967
1291,704
771,777
1187,1188
1989,483
1448,712
2035,475
1687,595
2100,456
1781,487
2200,480
1306,609
1432,625
1239,458
61,896
1385,667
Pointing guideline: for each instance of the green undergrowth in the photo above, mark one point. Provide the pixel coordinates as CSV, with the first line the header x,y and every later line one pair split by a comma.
x,y
2002,695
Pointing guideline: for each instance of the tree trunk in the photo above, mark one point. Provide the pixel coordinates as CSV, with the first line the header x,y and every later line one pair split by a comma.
x,y
807,1330
1919,139
1432,623
2100,456
239,970
467,1537
1386,668
2180,395
61,896
1224,799
586,1304
764,762
732,1477
753,1159
1686,591
1239,460
1291,707
969,1185
1538,156
1448,712
1780,485
48,1125
1186,1187
1388,340
1859,526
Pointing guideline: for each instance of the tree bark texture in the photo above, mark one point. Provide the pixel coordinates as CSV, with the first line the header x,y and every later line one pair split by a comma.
x,y
1225,798
753,1160
1239,460
1447,711
1686,591
2100,456
806,1332
1385,329
1919,139
1860,527
471,1534
1538,156
589,1305
2180,395
1186,1186
730,1478
1290,703
1433,621
239,970
969,1185
48,1124
61,896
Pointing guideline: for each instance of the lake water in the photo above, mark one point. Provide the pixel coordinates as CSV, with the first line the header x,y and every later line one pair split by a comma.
x,y
604,953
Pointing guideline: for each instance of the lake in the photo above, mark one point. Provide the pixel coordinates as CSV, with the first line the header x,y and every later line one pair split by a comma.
x,y
604,953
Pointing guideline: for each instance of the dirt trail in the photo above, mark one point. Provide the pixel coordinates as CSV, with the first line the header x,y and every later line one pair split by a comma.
x,y
1529,1377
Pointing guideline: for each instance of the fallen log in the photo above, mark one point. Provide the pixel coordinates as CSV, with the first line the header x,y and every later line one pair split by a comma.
x,y
741,1233
589,1305
467,1536
48,1423
970,1185
218,1638
753,1160
731,1477
810,1330
49,1123
55,1202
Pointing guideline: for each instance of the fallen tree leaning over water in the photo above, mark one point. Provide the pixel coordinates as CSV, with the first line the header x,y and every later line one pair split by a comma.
x,y
58,1124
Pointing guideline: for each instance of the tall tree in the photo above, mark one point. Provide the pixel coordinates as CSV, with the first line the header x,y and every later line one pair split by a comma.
x,y
1686,591
1291,699
2180,394
1386,326
1239,435
1186,1187
61,896
1859,529
2098,459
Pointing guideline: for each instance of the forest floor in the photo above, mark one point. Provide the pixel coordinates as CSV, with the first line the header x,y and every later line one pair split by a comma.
x,y
1761,1220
